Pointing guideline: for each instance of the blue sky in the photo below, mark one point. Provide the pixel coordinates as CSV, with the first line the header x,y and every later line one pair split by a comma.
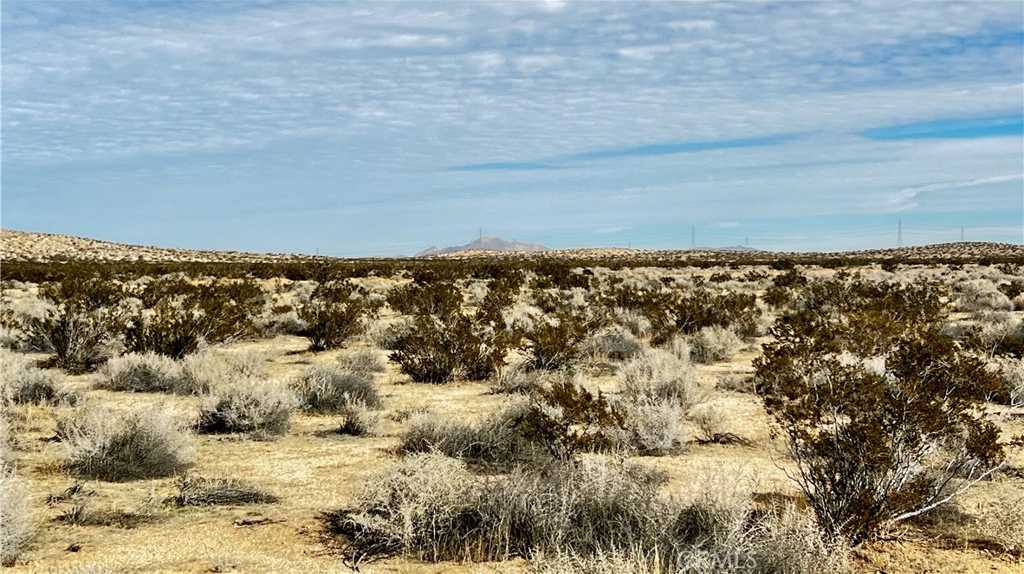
x,y
383,128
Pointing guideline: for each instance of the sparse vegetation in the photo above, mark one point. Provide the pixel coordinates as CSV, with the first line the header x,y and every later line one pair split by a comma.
x,y
15,516
258,407
324,389
194,490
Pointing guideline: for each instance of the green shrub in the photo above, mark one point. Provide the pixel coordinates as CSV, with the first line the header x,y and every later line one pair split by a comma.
x,y
76,335
863,433
333,314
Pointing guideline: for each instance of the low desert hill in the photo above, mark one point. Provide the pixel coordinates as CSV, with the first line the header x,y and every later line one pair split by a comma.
x,y
484,245
27,246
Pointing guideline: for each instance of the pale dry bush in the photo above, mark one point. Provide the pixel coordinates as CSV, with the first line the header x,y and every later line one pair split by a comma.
x,y
634,321
515,378
679,346
593,515
141,373
384,333
652,427
522,316
6,448
108,444
714,344
1011,373
363,361
658,374
615,343
495,439
202,372
329,389
22,383
981,295
259,407
15,516
357,419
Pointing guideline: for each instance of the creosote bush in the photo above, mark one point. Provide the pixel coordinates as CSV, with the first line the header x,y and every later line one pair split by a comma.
x,y
357,419
334,313
330,389
878,441
557,341
114,445
75,334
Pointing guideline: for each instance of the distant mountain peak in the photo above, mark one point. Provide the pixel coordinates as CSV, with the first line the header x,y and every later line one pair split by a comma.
x,y
484,243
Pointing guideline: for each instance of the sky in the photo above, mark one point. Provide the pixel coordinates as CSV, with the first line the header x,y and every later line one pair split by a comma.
x,y
378,129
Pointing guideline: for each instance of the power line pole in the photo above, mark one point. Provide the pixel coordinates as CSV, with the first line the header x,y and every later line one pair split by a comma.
x,y
961,234
899,232
693,236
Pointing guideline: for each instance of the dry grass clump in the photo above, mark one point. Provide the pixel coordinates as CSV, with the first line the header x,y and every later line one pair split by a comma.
x,y
107,444
658,374
22,383
15,516
1002,522
431,507
195,490
141,373
259,407
329,389
714,344
497,439
201,372
365,361
85,513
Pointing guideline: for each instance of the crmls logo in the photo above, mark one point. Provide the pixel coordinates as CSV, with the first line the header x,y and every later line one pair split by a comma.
x,y
731,561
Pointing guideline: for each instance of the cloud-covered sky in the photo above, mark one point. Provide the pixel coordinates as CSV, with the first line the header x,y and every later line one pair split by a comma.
x,y
382,128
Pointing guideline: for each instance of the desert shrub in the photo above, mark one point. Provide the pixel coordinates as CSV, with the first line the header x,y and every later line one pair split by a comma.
x,y
444,341
566,418
363,361
22,383
15,516
1011,379
495,440
201,372
673,312
981,295
75,334
515,379
658,374
357,419
141,373
328,389
652,427
385,334
259,407
877,444
711,427
714,344
334,313
173,329
431,507
614,342
557,341
6,448
114,445
194,490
